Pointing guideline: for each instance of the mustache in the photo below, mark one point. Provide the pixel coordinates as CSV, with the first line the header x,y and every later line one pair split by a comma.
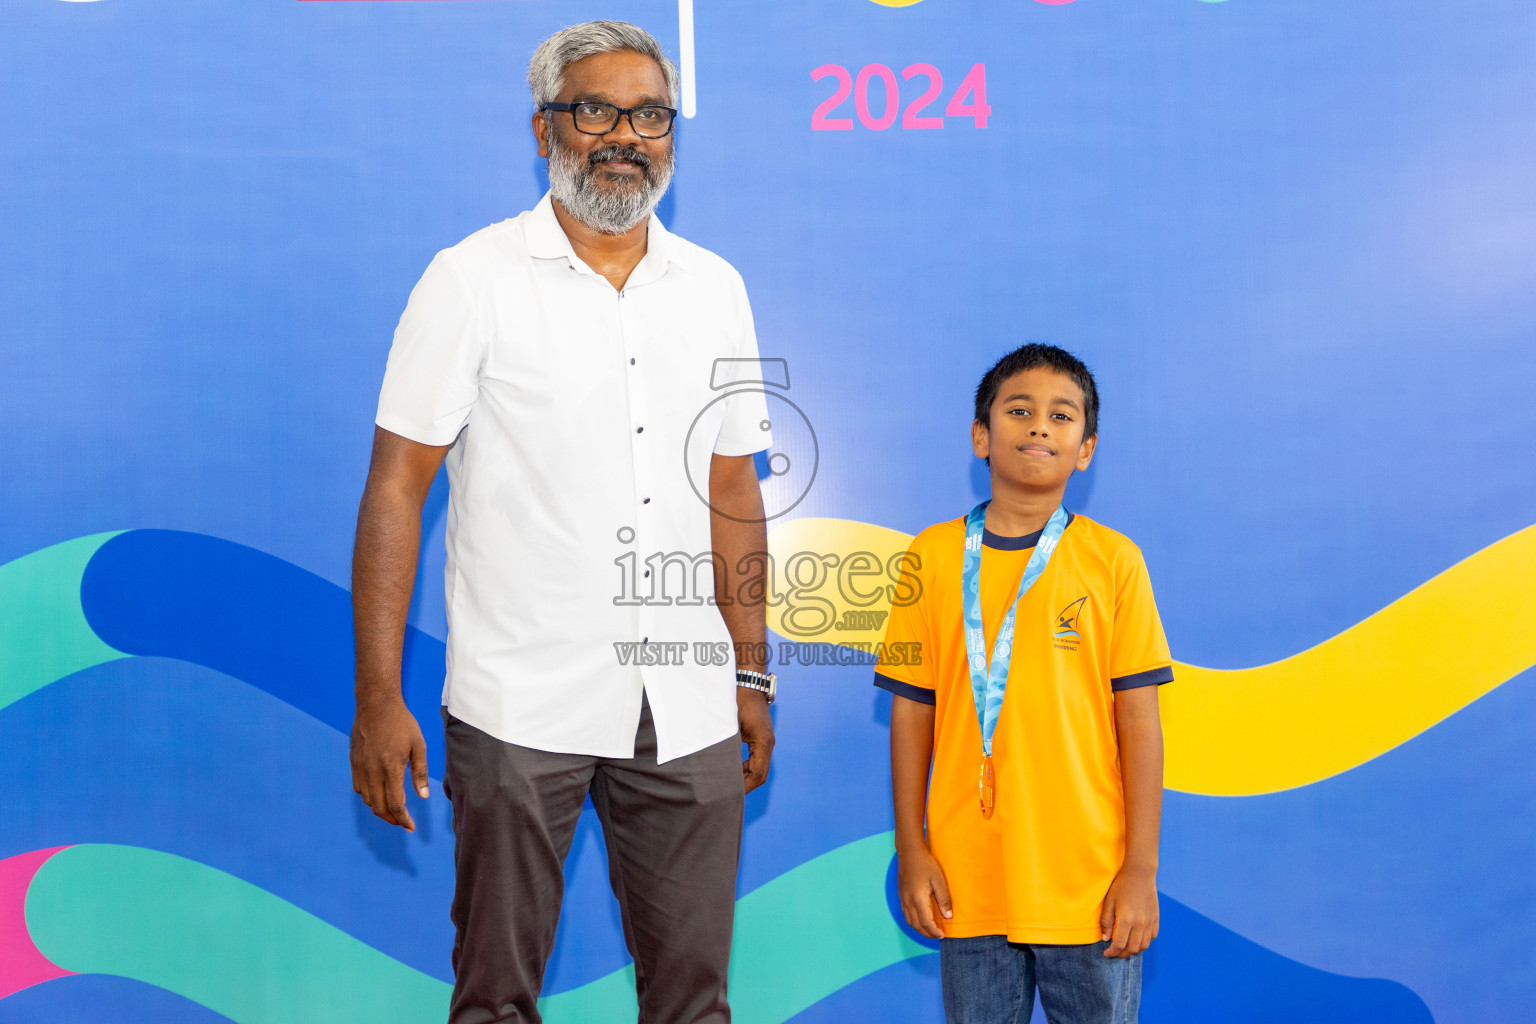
x,y
627,153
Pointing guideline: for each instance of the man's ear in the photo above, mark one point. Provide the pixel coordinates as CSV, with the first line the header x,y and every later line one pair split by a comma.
x,y
981,439
1085,452
541,133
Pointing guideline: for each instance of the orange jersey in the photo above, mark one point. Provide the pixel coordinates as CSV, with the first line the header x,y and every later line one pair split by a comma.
x,y
1037,871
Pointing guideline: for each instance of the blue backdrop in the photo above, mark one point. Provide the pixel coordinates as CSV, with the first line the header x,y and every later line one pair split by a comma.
x,y
1296,242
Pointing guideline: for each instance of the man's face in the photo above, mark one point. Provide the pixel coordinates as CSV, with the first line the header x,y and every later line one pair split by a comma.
x,y
609,182
1035,434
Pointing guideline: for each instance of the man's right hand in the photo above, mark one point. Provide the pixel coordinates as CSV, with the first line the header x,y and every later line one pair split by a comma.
x,y
386,743
920,883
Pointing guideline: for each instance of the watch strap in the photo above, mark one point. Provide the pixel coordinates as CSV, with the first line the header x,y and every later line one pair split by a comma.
x,y
762,682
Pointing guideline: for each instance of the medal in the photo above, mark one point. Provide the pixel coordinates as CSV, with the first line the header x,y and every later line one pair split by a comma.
x,y
988,786
989,677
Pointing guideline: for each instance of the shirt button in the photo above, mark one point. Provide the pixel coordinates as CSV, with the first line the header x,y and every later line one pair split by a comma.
x,y
645,501
639,430
645,639
647,572
631,360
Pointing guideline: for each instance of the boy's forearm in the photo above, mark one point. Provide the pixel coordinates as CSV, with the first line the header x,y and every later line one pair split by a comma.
x,y
911,757
1141,766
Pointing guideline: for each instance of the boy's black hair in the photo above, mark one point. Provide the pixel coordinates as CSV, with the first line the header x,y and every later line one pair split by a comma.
x,y
1030,357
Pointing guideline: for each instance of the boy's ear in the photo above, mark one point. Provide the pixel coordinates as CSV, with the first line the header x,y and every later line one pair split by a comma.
x,y
1085,452
981,440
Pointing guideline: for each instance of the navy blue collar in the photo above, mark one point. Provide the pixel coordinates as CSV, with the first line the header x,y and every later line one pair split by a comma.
x,y
1000,543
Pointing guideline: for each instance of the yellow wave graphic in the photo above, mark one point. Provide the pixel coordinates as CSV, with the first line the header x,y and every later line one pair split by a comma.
x,y
1257,730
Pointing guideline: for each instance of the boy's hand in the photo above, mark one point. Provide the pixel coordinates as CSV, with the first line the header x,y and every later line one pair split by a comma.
x,y
920,883
1129,919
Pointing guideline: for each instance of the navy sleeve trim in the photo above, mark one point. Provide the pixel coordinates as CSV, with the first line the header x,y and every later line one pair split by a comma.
x,y
1151,677
918,693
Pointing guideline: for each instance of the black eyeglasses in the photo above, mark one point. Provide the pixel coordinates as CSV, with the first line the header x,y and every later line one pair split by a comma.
x,y
594,118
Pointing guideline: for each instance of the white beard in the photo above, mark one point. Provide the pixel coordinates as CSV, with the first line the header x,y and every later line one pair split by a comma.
x,y
611,208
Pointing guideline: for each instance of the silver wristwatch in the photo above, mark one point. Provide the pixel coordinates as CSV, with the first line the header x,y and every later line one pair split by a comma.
x,y
763,682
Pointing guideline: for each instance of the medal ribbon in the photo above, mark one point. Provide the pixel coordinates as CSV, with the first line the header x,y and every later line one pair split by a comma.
x,y
990,680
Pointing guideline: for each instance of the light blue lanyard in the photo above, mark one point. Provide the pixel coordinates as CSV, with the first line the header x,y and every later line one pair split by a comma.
x,y
988,681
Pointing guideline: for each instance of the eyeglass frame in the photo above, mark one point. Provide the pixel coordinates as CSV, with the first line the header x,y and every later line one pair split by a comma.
x,y
622,112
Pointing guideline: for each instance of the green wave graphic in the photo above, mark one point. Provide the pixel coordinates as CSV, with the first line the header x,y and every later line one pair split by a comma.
x,y
813,930
217,940
257,959
43,632
248,954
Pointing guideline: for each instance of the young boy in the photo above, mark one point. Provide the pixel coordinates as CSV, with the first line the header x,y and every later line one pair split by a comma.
x,y
1036,704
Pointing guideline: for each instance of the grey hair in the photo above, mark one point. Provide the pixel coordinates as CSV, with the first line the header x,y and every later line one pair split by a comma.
x,y
546,71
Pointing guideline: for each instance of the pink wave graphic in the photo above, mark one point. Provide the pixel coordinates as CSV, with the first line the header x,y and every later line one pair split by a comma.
x,y
21,964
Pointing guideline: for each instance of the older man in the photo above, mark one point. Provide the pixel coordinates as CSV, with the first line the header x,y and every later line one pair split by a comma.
x,y
565,363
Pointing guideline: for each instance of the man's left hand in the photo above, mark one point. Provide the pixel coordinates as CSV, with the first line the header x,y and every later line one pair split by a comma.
x,y
756,733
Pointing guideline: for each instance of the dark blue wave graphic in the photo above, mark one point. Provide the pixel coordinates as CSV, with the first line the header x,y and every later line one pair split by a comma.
x,y
1390,869
176,757
274,805
1199,971
267,783
1195,971
250,615
102,999
904,993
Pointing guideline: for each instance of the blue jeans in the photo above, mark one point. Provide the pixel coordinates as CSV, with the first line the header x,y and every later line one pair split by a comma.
x,y
989,980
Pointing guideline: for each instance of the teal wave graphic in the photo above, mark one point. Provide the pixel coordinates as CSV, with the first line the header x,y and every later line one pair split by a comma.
x,y
215,939
247,953
818,927
813,930
44,635
241,951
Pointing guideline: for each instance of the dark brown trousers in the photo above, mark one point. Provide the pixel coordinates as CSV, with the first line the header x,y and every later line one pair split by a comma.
x,y
673,833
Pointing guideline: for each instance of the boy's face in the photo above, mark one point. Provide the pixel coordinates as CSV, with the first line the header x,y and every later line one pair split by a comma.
x,y
1035,438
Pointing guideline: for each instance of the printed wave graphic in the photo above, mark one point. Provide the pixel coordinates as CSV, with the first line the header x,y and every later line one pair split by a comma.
x,y
257,959
1260,730
264,621
165,593
254,617
215,939
1228,732
238,950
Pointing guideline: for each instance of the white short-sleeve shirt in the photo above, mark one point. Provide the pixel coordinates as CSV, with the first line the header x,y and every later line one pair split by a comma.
x,y
582,421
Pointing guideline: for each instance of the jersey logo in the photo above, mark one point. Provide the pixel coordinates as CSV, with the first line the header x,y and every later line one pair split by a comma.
x,y
1065,631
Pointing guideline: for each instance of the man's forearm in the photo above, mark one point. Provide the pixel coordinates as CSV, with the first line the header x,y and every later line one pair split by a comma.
x,y
383,574
745,619
739,538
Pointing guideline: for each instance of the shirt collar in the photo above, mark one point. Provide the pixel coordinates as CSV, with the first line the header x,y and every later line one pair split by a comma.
x,y
998,542
547,239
